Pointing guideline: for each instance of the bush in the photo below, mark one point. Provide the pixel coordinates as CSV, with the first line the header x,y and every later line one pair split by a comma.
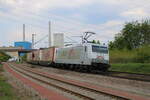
x,y
143,54
4,57
139,55
24,58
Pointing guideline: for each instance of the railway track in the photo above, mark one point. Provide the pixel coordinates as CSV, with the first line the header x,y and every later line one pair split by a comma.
x,y
94,95
132,76
47,94
81,86
55,85
123,75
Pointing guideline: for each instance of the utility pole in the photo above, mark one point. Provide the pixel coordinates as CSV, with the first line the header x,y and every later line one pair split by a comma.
x,y
23,32
33,37
50,35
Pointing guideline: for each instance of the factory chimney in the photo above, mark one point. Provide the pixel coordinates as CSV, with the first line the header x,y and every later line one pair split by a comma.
x,y
33,37
50,35
23,32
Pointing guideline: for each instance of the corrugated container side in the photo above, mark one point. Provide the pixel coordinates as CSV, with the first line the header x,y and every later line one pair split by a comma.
x,y
29,57
70,55
35,55
48,54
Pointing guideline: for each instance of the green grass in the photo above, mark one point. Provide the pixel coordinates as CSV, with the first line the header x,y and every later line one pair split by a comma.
x,y
139,55
18,62
1,69
6,90
143,68
134,61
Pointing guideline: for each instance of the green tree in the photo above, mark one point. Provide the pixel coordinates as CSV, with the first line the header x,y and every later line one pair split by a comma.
x,y
3,56
98,42
24,58
133,35
93,41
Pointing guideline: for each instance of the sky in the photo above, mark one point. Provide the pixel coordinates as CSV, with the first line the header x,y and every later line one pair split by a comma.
x,y
71,17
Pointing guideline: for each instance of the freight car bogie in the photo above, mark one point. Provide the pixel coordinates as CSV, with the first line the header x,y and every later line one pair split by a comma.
x,y
85,68
100,66
34,62
45,63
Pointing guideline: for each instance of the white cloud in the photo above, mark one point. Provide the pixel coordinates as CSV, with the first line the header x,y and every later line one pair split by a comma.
x,y
105,31
39,5
136,13
37,12
130,9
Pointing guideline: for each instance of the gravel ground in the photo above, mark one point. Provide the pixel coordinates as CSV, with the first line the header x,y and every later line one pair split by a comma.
x,y
136,87
23,92
96,96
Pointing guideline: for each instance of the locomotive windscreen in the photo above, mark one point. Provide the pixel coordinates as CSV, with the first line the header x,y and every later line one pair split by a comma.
x,y
99,49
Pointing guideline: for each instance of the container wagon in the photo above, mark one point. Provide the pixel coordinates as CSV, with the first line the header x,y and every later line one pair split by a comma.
x,y
46,56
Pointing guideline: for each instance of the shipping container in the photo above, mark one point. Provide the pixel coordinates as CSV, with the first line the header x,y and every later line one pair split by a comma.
x,y
47,55
29,57
35,55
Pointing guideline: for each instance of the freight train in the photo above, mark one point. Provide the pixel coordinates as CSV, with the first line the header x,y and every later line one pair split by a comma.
x,y
87,56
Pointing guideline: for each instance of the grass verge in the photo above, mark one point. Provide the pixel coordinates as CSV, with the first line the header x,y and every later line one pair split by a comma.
x,y
142,68
138,55
6,90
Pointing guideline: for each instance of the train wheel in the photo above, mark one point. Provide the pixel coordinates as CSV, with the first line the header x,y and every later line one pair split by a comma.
x,y
89,69
105,68
71,67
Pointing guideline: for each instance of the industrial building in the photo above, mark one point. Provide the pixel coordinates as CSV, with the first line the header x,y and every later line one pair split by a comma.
x,y
23,44
58,39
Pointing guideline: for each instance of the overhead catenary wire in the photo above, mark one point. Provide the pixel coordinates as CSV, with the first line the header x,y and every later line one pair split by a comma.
x,y
41,18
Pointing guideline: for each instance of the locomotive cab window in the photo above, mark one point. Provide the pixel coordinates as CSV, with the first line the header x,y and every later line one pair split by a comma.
x,y
99,49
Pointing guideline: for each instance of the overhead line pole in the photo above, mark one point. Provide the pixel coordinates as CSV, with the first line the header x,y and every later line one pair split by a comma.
x,y
33,37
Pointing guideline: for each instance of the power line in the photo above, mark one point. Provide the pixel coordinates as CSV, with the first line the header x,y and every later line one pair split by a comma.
x,y
41,39
71,39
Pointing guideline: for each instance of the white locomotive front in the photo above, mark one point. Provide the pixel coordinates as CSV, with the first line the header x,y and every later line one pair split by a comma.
x,y
98,53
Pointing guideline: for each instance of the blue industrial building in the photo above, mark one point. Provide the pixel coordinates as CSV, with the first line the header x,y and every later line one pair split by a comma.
x,y
24,44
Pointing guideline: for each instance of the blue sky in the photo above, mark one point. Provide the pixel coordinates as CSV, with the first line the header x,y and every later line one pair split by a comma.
x,y
71,17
